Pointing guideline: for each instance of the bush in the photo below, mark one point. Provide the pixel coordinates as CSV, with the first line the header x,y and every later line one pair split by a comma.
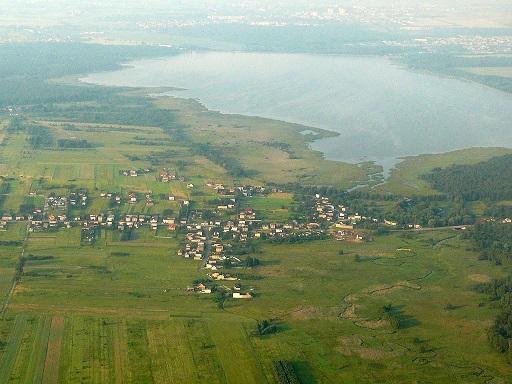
x,y
266,327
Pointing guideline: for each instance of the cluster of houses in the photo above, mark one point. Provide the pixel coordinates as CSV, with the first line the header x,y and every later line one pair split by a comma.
x,y
203,242
59,203
226,204
109,220
134,198
351,236
234,292
221,189
78,198
167,176
208,242
291,230
128,222
250,191
247,226
242,190
217,259
242,227
324,210
340,218
149,199
240,230
39,221
195,245
135,172
506,220
113,196
125,222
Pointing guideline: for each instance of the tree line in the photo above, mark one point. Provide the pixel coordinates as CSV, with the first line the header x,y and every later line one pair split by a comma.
x,y
218,156
39,136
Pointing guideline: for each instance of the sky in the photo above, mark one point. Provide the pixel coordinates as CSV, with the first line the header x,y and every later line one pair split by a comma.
x,y
118,14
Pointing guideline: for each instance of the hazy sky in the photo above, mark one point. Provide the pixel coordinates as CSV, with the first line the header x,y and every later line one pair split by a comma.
x,y
90,13
123,5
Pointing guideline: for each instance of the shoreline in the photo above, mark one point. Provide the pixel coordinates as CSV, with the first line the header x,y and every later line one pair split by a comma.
x,y
388,163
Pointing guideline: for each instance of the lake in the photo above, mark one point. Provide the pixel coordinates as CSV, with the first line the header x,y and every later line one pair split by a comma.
x,y
381,111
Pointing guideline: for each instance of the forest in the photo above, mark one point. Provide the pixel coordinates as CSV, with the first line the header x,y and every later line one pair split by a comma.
x,y
494,240
488,180
26,68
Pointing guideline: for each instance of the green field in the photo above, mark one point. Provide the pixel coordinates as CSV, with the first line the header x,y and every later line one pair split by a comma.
x,y
128,318
275,207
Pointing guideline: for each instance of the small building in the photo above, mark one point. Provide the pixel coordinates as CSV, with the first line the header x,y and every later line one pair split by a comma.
x,y
238,295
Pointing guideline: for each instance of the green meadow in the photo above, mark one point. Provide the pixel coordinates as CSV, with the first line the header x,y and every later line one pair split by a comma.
x,y
90,314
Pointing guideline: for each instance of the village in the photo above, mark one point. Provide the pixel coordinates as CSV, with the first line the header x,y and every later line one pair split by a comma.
x,y
211,235
214,236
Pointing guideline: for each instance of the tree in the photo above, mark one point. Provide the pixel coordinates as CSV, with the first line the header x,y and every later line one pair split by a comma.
x,y
266,327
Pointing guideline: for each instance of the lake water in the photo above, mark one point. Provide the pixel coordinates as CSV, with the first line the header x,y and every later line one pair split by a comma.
x,y
380,110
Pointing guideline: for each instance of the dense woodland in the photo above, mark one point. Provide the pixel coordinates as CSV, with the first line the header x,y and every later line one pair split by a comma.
x,y
500,333
26,68
488,180
494,240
